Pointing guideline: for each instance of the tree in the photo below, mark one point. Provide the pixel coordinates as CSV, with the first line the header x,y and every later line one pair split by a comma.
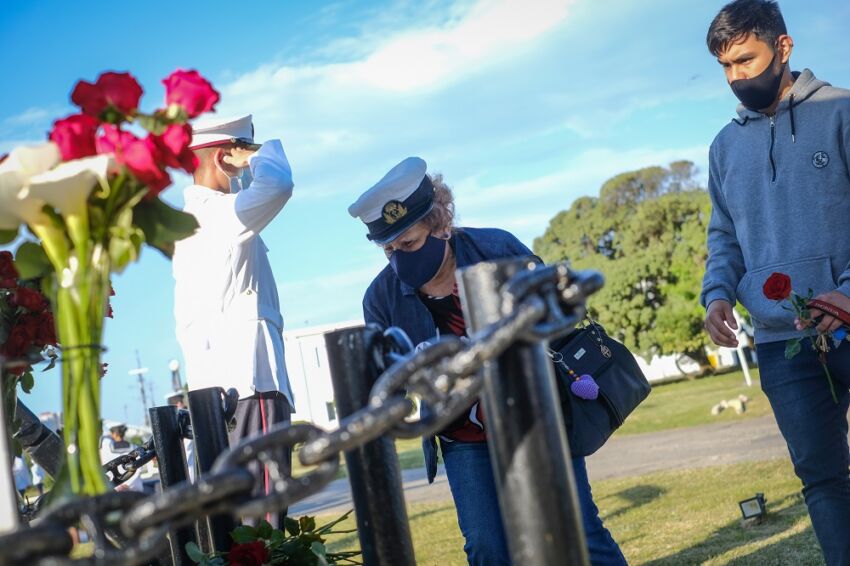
x,y
646,232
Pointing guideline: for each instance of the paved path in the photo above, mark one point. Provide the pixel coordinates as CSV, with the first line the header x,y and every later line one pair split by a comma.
x,y
694,447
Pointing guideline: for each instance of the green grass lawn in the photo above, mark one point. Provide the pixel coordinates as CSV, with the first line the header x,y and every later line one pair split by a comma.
x,y
688,403
664,519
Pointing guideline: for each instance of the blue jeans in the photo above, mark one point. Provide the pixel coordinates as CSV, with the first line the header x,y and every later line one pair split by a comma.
x,y
815,429
474,491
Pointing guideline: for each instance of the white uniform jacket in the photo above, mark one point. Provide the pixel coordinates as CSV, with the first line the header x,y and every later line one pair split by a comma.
x,y
226,303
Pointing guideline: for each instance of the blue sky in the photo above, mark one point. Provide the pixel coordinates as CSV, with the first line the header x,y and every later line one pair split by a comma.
x,y
522,105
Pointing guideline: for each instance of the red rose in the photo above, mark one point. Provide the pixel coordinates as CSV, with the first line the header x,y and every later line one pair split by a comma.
x,y
75,136
20,339
248,554
113,139
173,145
29,299
191,91
45,334
8,273
120,90
777,287
143,159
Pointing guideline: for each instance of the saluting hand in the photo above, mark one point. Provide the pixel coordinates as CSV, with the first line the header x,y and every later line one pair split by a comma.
x,y
238,157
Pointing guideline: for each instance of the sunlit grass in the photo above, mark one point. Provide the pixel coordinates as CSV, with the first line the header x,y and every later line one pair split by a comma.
x,y
670,518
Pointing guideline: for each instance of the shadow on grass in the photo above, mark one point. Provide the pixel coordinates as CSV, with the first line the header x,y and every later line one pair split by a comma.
x,y
635,496
796,550
786,512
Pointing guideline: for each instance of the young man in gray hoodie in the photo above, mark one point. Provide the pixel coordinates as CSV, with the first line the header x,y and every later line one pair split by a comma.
x,y
779,180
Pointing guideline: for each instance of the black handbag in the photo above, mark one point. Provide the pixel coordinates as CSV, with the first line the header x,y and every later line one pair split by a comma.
x,y
622,385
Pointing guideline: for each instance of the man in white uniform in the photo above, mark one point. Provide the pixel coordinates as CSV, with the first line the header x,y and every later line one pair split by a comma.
x,y
226,304
116,445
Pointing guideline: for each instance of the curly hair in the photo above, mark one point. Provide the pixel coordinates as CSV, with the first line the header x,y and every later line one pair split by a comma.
x,y
442,215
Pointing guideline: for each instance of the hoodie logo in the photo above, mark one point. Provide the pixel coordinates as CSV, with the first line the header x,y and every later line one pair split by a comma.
x,y
820,159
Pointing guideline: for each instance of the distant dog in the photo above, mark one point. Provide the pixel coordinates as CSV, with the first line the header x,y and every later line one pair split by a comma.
x,y
739,404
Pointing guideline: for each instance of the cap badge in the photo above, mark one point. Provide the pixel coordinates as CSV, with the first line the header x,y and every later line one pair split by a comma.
x,y
394,211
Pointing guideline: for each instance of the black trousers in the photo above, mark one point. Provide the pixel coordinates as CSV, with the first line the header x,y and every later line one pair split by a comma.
x,y
255,415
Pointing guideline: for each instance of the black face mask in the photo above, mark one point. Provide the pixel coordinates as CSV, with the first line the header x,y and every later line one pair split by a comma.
x,y
760,91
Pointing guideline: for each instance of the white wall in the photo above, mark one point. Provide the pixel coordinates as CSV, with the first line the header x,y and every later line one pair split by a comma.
x,y
309,375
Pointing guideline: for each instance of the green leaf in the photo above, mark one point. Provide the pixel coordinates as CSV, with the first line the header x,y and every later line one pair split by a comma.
x,y
194,552
792,348
292,526
320,551
7,236
155,124
264,530
308,524
125,244
31,261
244,534
27,382
163,225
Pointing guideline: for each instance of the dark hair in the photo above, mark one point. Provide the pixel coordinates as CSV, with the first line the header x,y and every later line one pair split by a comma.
x,y
762,18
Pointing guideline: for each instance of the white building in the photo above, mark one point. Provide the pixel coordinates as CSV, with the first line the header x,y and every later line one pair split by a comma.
x,y
309,374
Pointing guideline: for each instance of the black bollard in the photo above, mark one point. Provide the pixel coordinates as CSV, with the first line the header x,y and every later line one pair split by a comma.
x,y
171,461
210,432
42,444
373,469
525,434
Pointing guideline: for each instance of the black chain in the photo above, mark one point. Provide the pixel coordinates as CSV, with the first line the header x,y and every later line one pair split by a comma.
x,y
542,303
122,468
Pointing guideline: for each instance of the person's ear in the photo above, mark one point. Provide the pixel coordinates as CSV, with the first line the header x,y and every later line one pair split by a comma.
x,y
218,157
786,46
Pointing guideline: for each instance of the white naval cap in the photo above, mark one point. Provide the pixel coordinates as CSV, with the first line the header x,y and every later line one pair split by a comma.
x,y
218,130
395,203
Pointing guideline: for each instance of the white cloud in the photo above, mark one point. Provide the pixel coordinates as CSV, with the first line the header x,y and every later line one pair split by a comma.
x,y
428,59
28,117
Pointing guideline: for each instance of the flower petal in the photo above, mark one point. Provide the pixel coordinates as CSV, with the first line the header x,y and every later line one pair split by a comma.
x,y
13,211
68,186
31,160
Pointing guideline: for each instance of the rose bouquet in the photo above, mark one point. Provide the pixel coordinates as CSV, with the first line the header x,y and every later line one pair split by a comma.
x,y
778,288
27,334
302,543
91,198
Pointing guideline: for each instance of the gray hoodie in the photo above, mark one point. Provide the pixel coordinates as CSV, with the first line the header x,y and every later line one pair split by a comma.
x,y
780,194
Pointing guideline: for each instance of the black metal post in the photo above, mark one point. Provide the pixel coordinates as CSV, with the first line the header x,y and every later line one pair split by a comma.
x,y
525,434
42,444
373,469
171,461
210,431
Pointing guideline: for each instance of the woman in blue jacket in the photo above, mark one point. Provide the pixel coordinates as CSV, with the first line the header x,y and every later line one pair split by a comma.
x,y
410,214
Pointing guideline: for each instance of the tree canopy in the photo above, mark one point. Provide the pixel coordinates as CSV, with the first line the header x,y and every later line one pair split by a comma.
x,y
646,232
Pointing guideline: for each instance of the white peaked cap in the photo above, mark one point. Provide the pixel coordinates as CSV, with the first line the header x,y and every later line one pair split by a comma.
x,y
398,184
217,130
396,202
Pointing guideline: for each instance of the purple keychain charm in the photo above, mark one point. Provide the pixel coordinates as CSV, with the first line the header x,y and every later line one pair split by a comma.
x,y
585,387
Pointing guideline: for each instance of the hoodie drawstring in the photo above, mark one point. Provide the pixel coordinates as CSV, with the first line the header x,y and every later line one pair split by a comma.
x,y
791,114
